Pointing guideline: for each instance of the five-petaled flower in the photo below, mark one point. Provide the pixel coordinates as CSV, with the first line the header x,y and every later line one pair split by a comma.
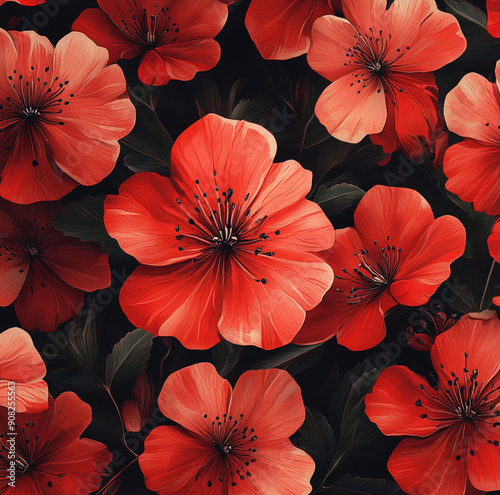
x,y
228,442
50,456
456,419
174,37
62,112
226,245
21,373
397,253
281,29
472,110
380,62
43,271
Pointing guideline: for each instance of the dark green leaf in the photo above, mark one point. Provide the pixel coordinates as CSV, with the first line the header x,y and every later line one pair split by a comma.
x,y
225,357
467,11
356,428
349,485
79,380
129,356
82,340
149,137
141,163
337,198
285,357
85,219
318,440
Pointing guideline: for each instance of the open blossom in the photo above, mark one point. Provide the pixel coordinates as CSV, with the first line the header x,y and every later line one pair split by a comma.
x,y
472,110
281,29
228,442
42,271
21,373
173,37
397,253
455,421
61,115
380,62
226,245
493,7
50,455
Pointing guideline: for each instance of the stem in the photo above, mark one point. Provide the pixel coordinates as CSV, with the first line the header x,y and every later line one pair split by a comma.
x,y
486,285
115,476
108,391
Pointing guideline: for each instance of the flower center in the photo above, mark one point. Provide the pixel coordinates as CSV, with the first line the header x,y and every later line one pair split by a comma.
x,y
234,443
373,274
464,400
152,27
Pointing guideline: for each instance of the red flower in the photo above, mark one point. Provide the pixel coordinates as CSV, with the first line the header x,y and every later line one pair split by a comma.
x,y
61,115
281,29
50,455
42,270
493,7
174,37
29,3
424,337
228,442
472,110
226,245
397,253
380,63
21,373
456,421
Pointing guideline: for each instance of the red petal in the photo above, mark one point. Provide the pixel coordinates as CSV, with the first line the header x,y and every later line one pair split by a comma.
x,y
392,405
474,175
428,465
350,111
193,392
281,29
493,7
179,301
263,396
97,25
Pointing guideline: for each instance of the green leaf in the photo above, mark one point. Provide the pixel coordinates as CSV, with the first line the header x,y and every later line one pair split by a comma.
x,y
85,219
82,340
79,380
129,356
468,11
318,440
349,485
149,137
140,163
290,357
356,428
337,198
225,357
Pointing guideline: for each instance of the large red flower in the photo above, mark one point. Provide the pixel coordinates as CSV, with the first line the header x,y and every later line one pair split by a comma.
x,y
456,421
50,456
61,115
174,37
380,63
472,110
21,373
397,253
493,7
43,271
281,29
226,245
228,442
